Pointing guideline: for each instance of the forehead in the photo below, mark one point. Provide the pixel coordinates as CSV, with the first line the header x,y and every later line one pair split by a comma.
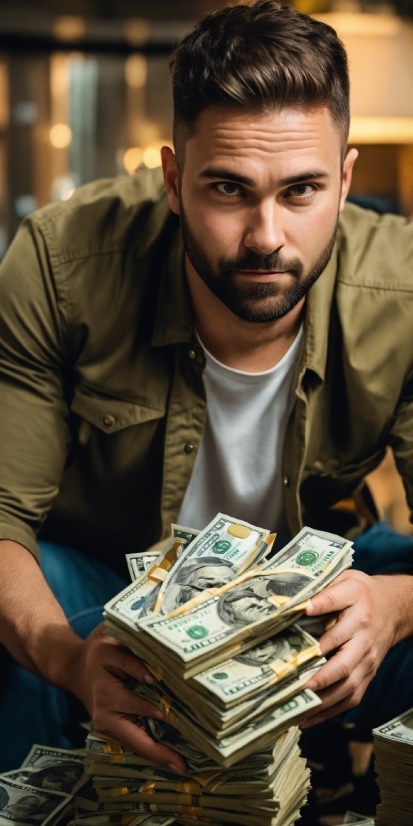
x,y
290,136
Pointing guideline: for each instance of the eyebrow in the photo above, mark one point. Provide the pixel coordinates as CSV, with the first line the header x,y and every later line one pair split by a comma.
x,y
228,175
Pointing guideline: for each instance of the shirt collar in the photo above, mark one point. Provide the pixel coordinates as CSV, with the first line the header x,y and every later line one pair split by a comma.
x,y
317,319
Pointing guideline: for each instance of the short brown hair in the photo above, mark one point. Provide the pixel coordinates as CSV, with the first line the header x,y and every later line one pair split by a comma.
x,y
260,57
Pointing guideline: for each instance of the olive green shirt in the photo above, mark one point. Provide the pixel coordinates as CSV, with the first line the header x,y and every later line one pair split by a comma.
x,y
102,403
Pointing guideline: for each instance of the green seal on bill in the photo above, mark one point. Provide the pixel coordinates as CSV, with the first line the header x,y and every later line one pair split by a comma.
x,y
197,632
307,557
221,547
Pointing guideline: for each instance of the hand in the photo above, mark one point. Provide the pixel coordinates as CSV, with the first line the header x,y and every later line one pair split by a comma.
x,y
103,666
364,632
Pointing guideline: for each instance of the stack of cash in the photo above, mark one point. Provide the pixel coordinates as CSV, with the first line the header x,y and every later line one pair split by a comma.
x,y
215,622
217,631
267,788
393,748
358,820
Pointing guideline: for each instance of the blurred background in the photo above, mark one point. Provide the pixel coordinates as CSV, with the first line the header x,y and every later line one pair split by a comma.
x,y
85,94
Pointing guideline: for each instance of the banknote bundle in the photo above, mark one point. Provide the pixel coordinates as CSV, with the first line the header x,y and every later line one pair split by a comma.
x,y
393,749
269,787
228,659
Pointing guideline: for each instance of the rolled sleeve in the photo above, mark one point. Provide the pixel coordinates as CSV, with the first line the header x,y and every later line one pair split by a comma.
x,y
34,432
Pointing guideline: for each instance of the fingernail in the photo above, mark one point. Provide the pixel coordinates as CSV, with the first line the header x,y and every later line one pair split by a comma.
x,y
159,715
310,608
174,768
148,679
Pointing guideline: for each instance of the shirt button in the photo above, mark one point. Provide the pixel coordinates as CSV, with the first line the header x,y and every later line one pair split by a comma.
x,y
286,481
189,447
192,354
108,420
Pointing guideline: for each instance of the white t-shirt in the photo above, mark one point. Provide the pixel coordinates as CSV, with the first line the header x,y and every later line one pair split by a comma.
x,y
238,466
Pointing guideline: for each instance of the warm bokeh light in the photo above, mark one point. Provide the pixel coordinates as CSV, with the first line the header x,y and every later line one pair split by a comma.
x,y
60,135
132,158
152,157
69,27
137,32
136,71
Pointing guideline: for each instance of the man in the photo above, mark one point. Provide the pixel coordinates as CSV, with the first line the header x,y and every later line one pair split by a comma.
x,y
275,346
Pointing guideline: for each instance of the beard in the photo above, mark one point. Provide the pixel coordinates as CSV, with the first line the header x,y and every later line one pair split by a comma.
x,y
246,301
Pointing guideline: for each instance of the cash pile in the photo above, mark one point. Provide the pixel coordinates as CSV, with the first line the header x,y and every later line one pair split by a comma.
x,y
52,787
393,748
267,788
215,623
213,632
47,786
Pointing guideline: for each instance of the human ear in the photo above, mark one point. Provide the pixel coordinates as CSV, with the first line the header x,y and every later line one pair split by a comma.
x,y
348,165
170,176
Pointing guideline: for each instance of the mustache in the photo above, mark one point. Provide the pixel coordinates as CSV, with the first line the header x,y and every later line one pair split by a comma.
x,y
252,261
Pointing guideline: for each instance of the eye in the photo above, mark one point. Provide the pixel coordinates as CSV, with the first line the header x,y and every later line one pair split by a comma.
x,y
228,188
302,190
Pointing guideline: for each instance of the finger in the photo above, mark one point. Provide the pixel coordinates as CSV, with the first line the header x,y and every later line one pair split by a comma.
x,y
345,592
126,702
342,664
129,665
344,689
337,708
340,633
139,741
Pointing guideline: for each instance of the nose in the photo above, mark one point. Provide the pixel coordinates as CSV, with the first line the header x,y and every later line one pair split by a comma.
x,y
264,233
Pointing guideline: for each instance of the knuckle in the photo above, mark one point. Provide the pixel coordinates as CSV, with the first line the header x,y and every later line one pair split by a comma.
x,y
328,599
365,619
371,658
333,640
353,688
345,671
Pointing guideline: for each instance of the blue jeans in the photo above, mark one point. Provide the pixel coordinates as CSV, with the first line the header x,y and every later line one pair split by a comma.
x,y
33,712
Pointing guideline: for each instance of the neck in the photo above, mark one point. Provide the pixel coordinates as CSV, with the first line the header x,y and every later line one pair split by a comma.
x,y
240,344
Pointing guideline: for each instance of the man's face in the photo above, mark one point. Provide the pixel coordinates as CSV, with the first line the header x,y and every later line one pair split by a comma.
x,y
210,577
26,806
259,197
250,609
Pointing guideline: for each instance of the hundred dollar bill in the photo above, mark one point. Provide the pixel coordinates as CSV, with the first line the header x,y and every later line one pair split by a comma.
x,y
139,563
270,662
138,599
52,769
311,557
118,818
230,749
41,756
246,608
24,805
358,820
398,730
222,551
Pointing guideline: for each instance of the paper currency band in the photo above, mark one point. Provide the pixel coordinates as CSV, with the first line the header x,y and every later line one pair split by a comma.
x,y
282,668
118,791
112,748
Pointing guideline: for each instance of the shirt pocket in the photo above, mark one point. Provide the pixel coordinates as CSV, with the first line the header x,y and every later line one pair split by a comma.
x,y
109,415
